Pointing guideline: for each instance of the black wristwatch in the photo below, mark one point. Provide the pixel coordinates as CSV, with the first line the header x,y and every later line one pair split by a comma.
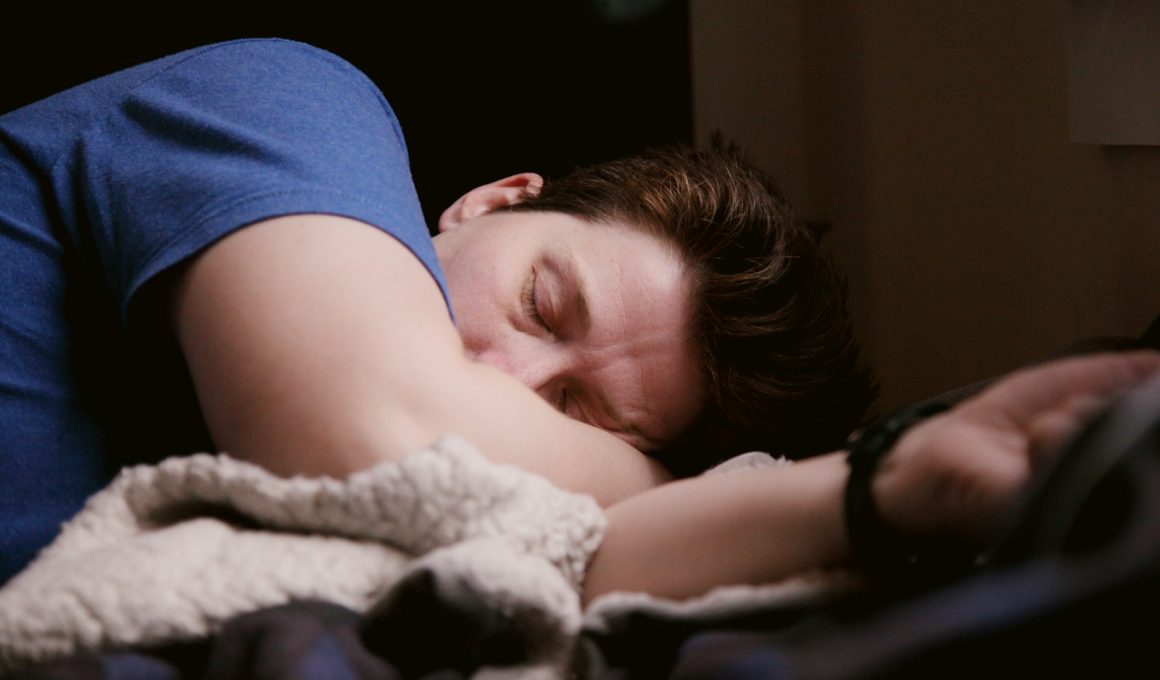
x,y
882,552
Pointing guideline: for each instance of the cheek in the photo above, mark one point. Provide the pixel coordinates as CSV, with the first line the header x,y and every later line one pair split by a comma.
x,y
501,347
483,319
485,292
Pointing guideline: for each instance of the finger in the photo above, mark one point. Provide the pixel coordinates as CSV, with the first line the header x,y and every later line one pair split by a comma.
x,y
1050,431
1030,393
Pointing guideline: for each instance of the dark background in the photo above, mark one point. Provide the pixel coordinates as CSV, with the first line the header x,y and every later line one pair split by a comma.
x,y
482,89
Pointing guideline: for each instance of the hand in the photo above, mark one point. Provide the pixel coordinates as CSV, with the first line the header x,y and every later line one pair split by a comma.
x,y
958,473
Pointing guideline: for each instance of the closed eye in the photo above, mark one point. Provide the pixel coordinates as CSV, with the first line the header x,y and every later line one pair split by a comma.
x,y
529,301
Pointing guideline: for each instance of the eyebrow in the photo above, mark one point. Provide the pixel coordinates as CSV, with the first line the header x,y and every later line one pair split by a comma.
x,y
565,264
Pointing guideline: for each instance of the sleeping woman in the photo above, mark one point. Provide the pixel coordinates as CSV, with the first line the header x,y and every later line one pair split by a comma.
x,y
223,250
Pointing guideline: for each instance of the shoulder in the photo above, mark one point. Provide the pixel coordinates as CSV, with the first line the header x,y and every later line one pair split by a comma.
x,y
229,134
268,65
282,55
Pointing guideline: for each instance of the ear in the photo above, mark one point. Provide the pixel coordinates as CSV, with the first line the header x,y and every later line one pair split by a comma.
x,y
498,194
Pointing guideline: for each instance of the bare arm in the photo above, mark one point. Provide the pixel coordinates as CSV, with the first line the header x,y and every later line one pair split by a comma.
x,y
953,475
751,526
320,346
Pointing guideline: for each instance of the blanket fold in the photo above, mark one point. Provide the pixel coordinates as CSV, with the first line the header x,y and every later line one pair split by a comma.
x,y
169,552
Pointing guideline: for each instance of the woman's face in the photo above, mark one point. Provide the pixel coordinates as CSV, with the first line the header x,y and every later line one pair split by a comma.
x,y
593,317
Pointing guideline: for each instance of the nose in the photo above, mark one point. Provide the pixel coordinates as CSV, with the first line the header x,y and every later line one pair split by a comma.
x,y
537,367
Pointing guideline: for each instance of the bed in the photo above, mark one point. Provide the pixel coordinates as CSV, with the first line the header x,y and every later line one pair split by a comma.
x,y
206,566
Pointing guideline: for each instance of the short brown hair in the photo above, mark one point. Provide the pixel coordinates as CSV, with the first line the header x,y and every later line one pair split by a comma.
x,y
770,317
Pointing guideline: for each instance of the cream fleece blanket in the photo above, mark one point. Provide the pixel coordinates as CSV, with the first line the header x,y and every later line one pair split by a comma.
x,y
169,552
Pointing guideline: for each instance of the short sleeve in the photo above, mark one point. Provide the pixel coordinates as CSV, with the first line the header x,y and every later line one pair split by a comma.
x,y
232,134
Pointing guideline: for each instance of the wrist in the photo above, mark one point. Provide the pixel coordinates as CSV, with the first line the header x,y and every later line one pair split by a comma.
x,y
879,547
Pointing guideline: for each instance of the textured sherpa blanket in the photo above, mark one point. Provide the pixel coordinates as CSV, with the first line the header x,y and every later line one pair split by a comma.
x,y
168,553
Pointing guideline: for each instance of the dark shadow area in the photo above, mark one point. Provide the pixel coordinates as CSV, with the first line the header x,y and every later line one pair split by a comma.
x,y
483,90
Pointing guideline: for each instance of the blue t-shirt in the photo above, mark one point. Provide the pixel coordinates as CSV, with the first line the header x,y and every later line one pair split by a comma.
x,y
110,184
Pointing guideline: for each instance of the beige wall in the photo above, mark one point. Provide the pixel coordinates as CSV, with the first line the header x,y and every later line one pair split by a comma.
x,y
935,137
